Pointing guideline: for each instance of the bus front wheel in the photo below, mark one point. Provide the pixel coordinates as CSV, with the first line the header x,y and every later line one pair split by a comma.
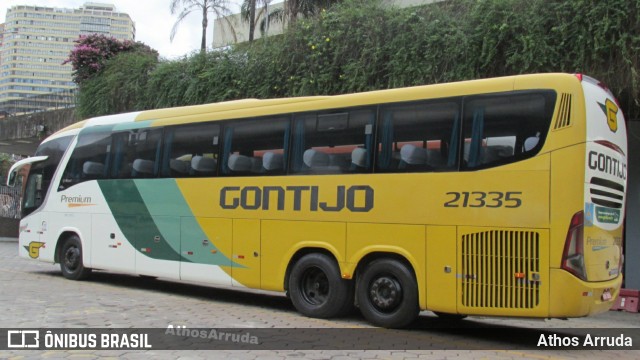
x,y
387,294
316,288
71,259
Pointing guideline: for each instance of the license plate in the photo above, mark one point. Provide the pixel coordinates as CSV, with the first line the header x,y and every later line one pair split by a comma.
x,y
606,295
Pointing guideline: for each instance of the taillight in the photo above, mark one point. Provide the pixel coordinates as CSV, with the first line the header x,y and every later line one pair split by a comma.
x,y
621,262
573,254
611,146
603,86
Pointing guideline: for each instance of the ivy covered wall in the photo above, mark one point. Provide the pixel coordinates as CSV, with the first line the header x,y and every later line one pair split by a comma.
x,y
360,45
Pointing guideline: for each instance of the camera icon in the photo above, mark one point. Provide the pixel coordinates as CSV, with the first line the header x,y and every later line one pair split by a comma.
x,y
23,339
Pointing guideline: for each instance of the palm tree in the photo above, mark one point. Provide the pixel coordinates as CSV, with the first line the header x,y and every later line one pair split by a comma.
x,y
186,7
250,13
292,10
252,18
305,8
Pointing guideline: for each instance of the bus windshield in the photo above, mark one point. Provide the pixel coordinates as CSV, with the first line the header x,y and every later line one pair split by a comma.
x,y
41,173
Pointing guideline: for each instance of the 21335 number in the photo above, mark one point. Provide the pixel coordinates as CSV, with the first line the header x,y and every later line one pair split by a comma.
x,y
481,199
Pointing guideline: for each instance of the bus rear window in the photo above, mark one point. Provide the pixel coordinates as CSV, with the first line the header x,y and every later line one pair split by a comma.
x,y
504,128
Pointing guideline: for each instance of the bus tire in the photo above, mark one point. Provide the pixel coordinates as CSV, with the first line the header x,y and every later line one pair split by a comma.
x,y
387,294
71,259
316,288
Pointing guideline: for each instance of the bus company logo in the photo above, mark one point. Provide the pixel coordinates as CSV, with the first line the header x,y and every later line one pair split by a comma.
x,y
357,198
607,165
611,110
34,249
23,339
76,201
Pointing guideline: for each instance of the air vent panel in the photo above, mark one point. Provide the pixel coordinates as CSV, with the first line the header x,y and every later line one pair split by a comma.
x,y
606,193
501,269
563,119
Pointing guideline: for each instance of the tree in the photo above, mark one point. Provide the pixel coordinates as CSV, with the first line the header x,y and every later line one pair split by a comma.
x,y
111,73
250,13
89,55
295,8
252,18
217,7
120,87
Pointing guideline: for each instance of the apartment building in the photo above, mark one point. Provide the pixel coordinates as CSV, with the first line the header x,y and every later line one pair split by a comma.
x,y
1,34
36,40
1,40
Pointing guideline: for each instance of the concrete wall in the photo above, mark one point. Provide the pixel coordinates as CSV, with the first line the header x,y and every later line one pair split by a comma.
x,y
232,29
9,227
26,126
632,233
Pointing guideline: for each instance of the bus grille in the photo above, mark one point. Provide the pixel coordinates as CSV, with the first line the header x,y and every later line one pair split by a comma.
x,y
501,269
564,112
606,193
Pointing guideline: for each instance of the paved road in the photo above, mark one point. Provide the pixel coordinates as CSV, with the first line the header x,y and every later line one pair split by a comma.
x,y
34,295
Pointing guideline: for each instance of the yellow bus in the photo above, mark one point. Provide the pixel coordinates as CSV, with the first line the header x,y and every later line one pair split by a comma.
x,y
496,197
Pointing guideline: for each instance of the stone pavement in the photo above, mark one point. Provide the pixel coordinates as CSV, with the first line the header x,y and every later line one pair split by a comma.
x,y
35,295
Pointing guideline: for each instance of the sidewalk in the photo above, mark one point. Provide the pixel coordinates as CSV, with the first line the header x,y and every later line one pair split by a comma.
x,y
8,239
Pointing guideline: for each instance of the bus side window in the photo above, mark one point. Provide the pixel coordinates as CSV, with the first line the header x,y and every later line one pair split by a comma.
x,y
135,154
146,161
191,151
256,146
418,136
118,168
504,128
336,142
87,162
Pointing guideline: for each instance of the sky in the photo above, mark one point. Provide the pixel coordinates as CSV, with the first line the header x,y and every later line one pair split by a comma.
x,y
153,21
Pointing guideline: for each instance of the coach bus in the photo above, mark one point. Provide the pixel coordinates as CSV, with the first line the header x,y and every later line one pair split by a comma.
x,y
494,197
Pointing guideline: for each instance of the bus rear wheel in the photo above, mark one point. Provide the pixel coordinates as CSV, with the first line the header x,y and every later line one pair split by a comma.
x,y
316,288
387,294
71,259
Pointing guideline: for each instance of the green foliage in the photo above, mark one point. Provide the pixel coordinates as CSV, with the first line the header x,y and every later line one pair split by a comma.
x,y
431,45
359,45
120,87
90,54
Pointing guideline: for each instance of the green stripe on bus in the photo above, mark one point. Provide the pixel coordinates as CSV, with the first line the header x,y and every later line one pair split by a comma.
x,y
132,125
163,198
153,215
